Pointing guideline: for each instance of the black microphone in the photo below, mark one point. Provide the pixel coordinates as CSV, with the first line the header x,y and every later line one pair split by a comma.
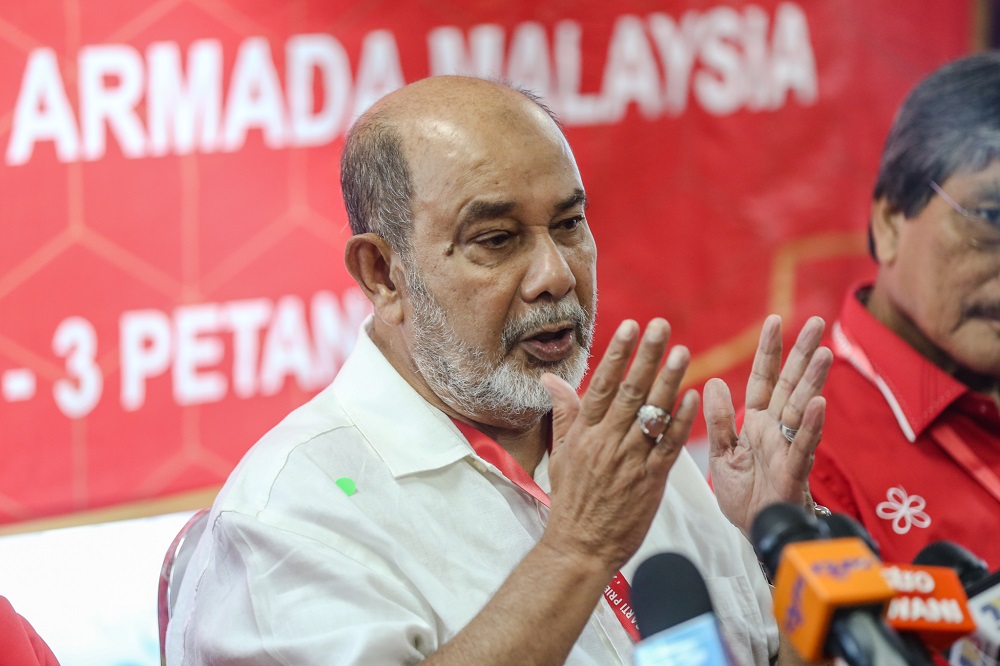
x,y
674,614
829,593
839,525
970,569
982,648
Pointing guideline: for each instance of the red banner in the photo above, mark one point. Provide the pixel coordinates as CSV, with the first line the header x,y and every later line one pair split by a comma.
x,y
171,281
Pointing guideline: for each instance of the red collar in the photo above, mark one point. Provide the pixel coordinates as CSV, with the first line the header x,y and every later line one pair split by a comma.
x,y
921,390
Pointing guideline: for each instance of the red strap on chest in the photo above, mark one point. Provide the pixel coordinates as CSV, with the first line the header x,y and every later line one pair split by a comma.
x,y
967,458
617,591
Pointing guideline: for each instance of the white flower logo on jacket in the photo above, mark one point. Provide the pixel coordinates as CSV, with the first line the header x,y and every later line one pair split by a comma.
x,y
905,511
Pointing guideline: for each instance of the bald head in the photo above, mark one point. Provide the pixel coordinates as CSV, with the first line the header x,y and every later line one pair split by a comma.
x,y
430,114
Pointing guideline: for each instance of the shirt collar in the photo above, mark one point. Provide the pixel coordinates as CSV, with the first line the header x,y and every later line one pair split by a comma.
x,y
406,431
917,390
479,441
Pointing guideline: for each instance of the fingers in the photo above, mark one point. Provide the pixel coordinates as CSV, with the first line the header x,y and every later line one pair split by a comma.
x,y
720,416
802,448
799,360
664,389
617,389
766,363
806,388
663,393
604,382
615,400
565,406
677,432
642,378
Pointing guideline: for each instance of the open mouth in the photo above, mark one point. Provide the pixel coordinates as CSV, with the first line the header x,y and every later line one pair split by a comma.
x,y
550,346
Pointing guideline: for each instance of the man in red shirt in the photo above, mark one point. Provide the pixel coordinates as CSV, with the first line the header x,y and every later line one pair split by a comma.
x,y
911,443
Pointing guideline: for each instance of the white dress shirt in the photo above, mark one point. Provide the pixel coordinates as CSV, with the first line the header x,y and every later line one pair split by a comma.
x,y
293,570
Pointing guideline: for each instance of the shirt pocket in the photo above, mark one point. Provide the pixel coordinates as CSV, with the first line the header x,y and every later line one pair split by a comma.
x,y
740,620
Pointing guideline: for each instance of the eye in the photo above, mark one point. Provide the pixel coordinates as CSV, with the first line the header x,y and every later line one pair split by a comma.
x,y
494,240
571,223
988,214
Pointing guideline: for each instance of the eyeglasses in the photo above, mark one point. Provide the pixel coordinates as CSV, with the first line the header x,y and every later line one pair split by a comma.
x,y
985,221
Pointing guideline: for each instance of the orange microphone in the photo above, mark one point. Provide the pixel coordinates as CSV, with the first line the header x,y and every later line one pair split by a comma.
x,y
817,578
829,594
930,606
930,602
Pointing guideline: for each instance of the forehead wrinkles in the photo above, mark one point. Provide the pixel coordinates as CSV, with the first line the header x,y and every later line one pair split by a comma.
x,y
455,162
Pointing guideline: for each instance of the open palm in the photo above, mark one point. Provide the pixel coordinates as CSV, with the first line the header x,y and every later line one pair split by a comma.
x,y
759,466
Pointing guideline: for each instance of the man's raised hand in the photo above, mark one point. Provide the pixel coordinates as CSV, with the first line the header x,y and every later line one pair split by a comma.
x,y
608,476
760,466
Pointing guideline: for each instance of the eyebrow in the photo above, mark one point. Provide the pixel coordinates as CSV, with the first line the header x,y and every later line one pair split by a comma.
x,y
489,210
578,198
486,210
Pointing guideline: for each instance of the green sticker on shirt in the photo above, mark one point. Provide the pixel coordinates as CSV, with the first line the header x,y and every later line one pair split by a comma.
x,y
347,485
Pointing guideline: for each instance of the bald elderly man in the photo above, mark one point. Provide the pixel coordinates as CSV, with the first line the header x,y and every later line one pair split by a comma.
x,y
449,497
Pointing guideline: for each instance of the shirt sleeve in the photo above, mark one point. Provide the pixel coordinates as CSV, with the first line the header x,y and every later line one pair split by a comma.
x,y
271,596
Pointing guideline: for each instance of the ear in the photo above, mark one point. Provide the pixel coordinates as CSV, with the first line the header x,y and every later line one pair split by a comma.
x,y
370,261
886,224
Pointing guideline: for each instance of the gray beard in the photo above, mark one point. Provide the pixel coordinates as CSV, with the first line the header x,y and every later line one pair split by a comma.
x,y
464,376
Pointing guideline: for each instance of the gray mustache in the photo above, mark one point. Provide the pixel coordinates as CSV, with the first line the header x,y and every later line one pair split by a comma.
x,y
546,315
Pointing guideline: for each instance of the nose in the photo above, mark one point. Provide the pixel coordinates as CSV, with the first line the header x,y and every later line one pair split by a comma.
x,y
549,274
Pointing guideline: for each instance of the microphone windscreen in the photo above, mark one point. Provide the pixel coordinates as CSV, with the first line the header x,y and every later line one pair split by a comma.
x,y
841,526
668,590
970,569
778,525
